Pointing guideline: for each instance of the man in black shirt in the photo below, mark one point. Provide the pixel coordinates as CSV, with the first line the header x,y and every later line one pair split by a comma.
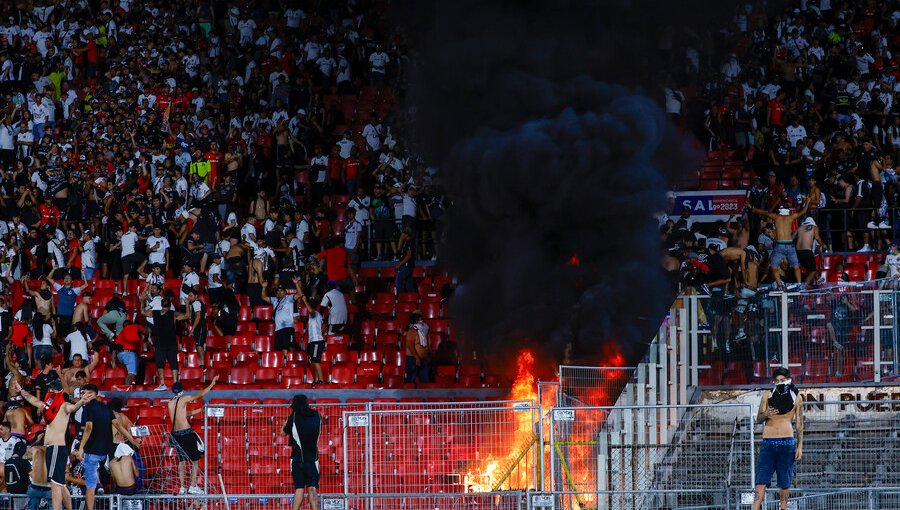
x,y
165,339
17,471
47,375
96,441
303,427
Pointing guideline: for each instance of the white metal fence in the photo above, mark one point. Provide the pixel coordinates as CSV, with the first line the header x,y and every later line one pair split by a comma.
x,y
837,335
469,448
608,450
592,386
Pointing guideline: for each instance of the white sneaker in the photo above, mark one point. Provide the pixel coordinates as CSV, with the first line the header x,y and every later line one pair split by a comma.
x,y
162,387
884,225
196,490
864,249
182,490
872,226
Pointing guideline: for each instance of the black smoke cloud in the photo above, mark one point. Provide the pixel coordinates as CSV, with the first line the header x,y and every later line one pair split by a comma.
x,y
546,159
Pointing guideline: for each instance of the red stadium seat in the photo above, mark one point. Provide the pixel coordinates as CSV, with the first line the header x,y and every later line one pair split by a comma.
x,y
214,342
245,314
241,342
342,375
263,313
267,376
246,359
264,343
269,359
241,376
191,359
265,328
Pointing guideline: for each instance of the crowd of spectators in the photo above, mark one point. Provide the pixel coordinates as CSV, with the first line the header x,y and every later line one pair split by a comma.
x,y
248,149
800,100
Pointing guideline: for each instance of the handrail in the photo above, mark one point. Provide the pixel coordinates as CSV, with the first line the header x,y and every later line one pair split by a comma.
x,y
731,454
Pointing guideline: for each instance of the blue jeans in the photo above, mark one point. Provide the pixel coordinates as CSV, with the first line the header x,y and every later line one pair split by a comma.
x,y
130,360
776,456
88,273
92,463
35,495
405,282
414,370
39,351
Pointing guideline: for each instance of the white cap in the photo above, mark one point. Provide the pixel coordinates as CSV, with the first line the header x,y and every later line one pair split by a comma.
x,y
809,221
784,211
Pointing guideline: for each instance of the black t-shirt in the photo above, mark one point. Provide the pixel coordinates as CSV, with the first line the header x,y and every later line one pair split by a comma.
x,y
164,330
42,381
305,436
17,479
719,268
101,440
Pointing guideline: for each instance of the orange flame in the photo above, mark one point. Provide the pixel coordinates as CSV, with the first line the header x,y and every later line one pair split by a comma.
x,y
484,477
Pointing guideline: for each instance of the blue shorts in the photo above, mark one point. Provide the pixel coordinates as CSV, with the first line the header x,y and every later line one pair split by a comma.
x,y
776,455
784,251
91,466
130,360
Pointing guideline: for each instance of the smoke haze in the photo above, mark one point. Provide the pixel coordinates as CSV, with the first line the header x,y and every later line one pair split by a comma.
x,y
549,152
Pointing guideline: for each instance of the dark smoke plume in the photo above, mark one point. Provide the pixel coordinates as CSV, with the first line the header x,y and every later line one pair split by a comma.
x,y
554,170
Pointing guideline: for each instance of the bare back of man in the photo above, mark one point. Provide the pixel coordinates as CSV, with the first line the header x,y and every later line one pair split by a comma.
x,y
124,473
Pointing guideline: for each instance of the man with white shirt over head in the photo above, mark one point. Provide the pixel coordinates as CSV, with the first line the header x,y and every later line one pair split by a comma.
x,y
353,232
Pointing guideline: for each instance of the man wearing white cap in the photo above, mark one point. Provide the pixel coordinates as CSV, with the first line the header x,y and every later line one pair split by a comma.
x,y
784,243
807,237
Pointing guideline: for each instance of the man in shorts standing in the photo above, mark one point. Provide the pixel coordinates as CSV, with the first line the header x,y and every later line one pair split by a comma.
x,y
303,427
96,441
784,243
131,259
187,444
778,409
56,412
316,345
165,340
807,236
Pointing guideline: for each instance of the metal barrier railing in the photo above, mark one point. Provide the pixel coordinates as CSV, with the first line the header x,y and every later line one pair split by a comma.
x,y
840,335
649,447
592,386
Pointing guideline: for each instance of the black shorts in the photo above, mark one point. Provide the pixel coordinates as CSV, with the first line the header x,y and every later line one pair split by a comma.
x,y
164,355
56,459
305,474
284,339
877,194
200,335
228,324
315,351
187,444
383,230
130,263
807,260
862,219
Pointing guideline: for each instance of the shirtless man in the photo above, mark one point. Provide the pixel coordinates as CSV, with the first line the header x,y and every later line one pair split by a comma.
x,y
69,376
748,286
57,412
877,192
187,444
260,207
807,235
82,313
16,414
124,474
40,484
784,243
778,409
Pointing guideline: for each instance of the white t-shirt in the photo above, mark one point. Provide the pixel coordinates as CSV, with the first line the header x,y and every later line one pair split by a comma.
x,y
351,234
345,145
214,269
248,232
314,327
337,305
372,134
89,254
795,134
893,263
129,241
58,258
7,446
283,311
46,336
189,280
7,137
154,304
378,60
78,344
362,208
158,255
293,17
